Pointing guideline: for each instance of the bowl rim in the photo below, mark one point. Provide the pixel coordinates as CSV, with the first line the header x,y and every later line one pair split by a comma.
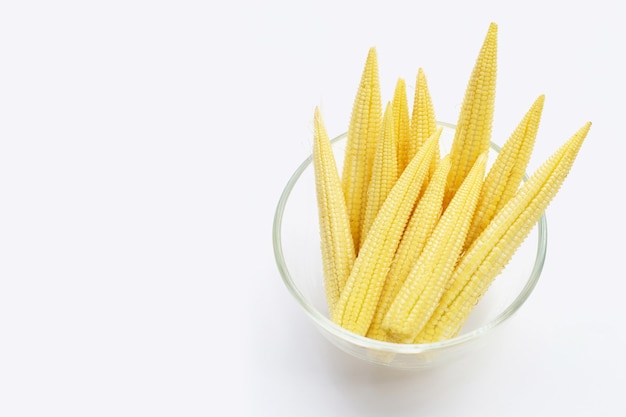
x,y
408,348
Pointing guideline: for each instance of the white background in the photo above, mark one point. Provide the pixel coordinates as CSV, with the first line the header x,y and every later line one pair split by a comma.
x,y
143,148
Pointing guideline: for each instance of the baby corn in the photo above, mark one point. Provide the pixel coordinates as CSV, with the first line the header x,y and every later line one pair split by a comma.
x,y
410,241
336,240
493,249
384,172
507,171
420,293
421,225
363,134
402,122
473,130
356,306
423,121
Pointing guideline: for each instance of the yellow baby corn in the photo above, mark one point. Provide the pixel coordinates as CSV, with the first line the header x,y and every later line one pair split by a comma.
x,y
507,171
421,224
422,289
384,172
423,121
410,241
336,240
473,130
363,134
492,250
358,300
401,122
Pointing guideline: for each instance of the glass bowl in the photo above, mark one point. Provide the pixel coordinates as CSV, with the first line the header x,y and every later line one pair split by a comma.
x,y
296,242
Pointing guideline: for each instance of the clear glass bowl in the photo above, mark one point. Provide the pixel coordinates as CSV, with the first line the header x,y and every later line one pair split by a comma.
x,y
297,251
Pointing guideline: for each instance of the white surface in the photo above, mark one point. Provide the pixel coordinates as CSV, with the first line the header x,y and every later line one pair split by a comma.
x,y
143,147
